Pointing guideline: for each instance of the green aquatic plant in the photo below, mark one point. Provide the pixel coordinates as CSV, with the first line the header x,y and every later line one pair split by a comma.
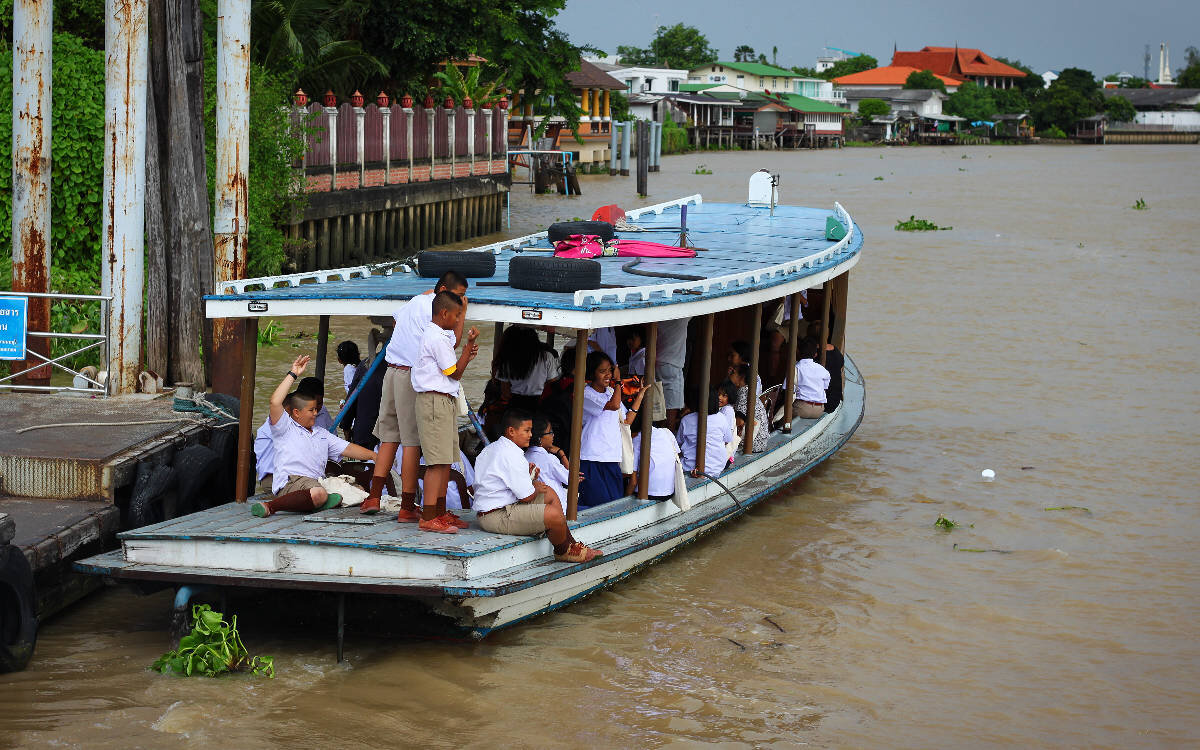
x,y
945,523
211,649
1069,507
917,225
879,179
702,169
1140,205
269,334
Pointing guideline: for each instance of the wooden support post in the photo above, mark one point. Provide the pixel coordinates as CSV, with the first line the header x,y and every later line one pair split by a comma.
x,y
647,414
322,347
752,381
793,334
245,449
827,291
841,289
581,339
705,383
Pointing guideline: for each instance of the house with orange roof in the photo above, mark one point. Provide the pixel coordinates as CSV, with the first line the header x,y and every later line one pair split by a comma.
x,y
961,63
890,77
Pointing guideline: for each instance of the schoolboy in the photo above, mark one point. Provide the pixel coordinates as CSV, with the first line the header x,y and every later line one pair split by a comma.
x,y
264,447
811,381
435,379
663,452
510,499
396,425
301,451
717,435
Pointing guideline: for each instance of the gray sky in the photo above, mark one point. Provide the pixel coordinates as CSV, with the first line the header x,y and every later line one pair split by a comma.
x,y
1102,36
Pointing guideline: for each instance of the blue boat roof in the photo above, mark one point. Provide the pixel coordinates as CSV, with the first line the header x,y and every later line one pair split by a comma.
x,y
747,251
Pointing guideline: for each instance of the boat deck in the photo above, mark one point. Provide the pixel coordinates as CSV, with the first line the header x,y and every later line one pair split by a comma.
x,y
742,248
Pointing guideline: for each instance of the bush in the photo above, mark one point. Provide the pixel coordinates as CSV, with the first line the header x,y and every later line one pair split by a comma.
x,y
674,138
1053,131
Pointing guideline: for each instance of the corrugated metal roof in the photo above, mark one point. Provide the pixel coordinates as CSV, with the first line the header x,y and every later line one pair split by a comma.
x,y
890,75
755,69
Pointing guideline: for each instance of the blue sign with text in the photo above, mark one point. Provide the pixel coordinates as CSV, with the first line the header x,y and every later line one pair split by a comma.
x,y
14,320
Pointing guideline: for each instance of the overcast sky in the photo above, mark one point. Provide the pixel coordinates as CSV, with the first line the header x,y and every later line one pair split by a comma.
x,y
1102,36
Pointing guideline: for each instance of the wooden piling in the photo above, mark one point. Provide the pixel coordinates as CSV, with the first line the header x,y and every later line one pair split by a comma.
x,y
647,413
245,446
752,381
577,422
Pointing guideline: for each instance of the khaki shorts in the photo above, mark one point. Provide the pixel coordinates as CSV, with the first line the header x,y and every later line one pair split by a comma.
x,y
397,421
522,519
437,423
298,484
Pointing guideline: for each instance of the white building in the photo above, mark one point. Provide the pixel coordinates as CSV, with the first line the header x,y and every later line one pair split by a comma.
x,y
643,80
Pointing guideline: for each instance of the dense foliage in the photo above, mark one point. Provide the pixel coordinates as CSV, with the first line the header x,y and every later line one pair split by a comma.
x,y
871,108
1073,96
1188,77
1119,109
924,79
213,648
856,64
679,46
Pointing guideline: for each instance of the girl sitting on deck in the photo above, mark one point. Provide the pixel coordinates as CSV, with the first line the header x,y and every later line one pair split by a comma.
x,y
600,448
738,376
717,434
551,461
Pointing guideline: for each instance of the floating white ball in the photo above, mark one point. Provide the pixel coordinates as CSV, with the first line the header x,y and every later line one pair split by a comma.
x,y
988,475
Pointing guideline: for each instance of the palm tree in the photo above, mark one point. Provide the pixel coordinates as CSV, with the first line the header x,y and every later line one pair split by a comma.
x,y
460,87
300,41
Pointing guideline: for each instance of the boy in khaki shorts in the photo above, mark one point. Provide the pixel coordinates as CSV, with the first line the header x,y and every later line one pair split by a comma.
x,y
396,425
509,498
435,379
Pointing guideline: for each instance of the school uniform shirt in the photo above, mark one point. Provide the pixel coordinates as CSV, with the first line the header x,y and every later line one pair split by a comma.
x,y
348,376
436,362
637,362
553,473
718,435
264,451
730,415
300,452
324,420
544,370
672,342
811,381
462,466
601,439
501,476
606,339
411,319
663,450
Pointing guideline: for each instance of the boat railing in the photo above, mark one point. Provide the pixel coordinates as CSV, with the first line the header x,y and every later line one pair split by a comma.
x,y
722,283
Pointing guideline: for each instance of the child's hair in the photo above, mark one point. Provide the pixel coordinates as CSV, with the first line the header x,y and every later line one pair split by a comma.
x,y
594,360
311,386
347,353
713,405
729,389
660,423
298,399
807,348
743,372
518,352
814,330
450,281
568,361
740,415
691,397
446,300
541,426
513,418
742,348
634,332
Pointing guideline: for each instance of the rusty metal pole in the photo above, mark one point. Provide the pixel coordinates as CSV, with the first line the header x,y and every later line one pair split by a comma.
x,y
793,333
705,384
126,47
230,224
31,164
245,449
643,487
577,422
752,381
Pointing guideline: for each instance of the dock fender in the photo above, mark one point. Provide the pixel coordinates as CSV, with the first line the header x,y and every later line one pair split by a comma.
x,y
18,621
199,473
433,263
223,443
553,274
145,503
563,229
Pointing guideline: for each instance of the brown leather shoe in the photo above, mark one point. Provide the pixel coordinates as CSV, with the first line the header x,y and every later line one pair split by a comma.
x,y
438,526
408,516
369,507
454,520
578,552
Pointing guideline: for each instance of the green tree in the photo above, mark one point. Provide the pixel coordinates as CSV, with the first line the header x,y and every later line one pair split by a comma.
x,y
1119,109
681,46
1188,77
1061,106
924,79
619,106
856,64
304,44
1010,101
1078,79
743,53
1032,84
459,86
971,101
635,55
806,72
871,108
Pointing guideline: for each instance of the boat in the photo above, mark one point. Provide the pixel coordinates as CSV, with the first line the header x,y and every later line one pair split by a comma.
x,y
753,256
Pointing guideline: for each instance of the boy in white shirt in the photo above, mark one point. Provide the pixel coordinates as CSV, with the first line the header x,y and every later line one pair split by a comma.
x,y
397,421
510,499
264,448
301,451
663,452
718,434
811,381
435,379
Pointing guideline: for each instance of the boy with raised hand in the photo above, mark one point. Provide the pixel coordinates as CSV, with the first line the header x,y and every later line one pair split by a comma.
x,y
396,425
509,498
301,451
435,379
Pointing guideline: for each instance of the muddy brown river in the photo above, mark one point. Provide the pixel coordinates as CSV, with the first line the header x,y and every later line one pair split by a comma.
x,y
1052,335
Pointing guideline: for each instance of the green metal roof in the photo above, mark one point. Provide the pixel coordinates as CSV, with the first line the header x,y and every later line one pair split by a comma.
x,y
759,69
805,104
694,87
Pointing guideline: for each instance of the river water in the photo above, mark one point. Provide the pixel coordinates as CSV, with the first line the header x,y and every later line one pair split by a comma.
x,y
1051,335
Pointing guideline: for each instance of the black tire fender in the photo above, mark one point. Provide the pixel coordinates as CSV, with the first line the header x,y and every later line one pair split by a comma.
x,y
564,229
553,274
227,403
198,472
433,263
145,504
18,617
224,444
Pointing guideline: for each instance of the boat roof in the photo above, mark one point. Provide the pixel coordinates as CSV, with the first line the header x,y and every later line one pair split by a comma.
x,y
749,254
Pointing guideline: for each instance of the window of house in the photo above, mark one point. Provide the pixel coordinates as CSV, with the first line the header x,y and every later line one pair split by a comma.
x,y
628,85
649,86
674,84
760,81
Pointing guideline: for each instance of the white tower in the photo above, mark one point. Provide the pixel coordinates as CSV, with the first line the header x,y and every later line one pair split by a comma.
x,y
1164,66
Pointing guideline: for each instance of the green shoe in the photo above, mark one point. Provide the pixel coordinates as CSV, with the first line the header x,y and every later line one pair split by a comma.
x,y
260,510
333,501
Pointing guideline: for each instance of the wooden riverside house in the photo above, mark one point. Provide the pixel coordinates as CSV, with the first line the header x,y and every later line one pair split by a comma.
x,y
754,257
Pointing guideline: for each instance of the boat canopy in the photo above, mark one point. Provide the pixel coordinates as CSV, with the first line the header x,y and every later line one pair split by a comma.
x,y
755,254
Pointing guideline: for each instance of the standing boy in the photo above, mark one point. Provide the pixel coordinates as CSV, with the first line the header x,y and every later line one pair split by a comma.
x,y
811,381
397,422
301,451
435,379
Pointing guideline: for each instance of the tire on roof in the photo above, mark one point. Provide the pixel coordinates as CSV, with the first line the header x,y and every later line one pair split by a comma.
x,y
553,274
433,263
564,229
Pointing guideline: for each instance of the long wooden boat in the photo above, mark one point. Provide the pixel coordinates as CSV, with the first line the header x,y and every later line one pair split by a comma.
x,y
753,255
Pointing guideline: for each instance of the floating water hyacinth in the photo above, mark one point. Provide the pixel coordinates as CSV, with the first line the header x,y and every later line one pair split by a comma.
x,y
212,648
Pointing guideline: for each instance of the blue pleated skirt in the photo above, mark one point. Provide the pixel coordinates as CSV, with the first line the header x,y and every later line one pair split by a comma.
x,y
602,483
